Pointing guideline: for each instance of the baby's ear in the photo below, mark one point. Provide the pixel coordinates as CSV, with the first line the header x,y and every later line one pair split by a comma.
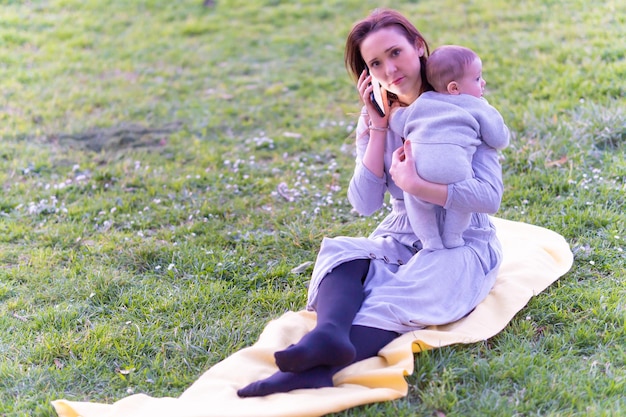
x,y
453,88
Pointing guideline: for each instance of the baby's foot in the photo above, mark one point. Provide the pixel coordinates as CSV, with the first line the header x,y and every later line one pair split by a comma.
x,y
453,240
434,243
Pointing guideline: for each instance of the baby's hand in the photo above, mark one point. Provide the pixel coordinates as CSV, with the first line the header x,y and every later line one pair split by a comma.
x,y
394,108
396,119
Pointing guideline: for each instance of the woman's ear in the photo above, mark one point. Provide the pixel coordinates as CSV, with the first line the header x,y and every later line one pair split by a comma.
x,y
420,49
453,88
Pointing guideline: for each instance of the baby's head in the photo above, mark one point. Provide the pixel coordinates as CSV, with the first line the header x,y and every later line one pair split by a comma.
x,y
453,69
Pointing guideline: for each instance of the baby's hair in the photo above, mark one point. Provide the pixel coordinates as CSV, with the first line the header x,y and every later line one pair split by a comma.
x,y
446,64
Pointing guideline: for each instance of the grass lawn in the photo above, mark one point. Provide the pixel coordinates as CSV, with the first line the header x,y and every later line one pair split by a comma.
x,y
165,166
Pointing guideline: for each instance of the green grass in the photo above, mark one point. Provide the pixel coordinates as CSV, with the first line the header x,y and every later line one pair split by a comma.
x,y
142,237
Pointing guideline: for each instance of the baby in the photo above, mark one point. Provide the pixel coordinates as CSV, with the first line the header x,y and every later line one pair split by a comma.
x,y
445,127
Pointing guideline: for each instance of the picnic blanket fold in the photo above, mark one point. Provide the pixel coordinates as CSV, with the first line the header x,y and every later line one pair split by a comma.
x,y
534,257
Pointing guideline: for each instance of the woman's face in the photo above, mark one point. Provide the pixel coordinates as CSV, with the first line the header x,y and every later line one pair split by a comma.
x,y
394,61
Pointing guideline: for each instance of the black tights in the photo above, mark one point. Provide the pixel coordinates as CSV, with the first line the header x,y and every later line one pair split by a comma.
x,y
333,344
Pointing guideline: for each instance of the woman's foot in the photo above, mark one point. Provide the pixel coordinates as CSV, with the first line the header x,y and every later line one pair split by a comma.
x,y
320,347
319,377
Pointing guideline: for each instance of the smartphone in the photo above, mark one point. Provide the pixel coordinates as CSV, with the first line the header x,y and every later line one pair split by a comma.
x,y
376,97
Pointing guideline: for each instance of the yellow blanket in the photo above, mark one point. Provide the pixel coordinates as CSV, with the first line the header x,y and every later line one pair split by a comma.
x,y
534,257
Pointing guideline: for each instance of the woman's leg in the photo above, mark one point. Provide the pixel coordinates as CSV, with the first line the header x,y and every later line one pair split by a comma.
x,y
367,340
328,344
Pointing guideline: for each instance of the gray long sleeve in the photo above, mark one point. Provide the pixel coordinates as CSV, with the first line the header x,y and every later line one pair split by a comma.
x,y
481,194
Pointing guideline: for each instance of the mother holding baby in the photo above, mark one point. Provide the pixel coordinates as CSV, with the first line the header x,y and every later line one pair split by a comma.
x,y
368,290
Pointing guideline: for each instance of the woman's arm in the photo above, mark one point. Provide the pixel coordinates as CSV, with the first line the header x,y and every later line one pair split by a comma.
x,y
404,174
481,194
368,184
366,191
376,125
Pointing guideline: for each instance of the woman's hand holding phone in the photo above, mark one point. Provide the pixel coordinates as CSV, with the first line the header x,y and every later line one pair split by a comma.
x,y
376,97
365,86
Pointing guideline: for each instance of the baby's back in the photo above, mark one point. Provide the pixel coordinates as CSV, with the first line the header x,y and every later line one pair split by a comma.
x,y
443,135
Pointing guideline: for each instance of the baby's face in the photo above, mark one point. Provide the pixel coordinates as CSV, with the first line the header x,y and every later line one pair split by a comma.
x,y
472,82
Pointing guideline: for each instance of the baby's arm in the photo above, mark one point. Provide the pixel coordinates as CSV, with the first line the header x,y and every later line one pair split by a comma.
x,y
493,130
397,119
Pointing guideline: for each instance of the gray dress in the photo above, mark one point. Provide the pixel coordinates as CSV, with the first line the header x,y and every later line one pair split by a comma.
x,y
408,288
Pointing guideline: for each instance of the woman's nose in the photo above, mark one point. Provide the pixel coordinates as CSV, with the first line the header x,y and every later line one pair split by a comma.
x,y
390,69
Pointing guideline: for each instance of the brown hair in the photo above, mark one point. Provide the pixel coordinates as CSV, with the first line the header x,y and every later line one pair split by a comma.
x,y
448,63
379,19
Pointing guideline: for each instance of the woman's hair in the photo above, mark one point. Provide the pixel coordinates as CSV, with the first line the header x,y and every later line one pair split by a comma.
x,y
448,63
379,19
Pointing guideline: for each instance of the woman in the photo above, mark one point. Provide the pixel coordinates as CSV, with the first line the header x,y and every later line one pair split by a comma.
x,y
367,291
